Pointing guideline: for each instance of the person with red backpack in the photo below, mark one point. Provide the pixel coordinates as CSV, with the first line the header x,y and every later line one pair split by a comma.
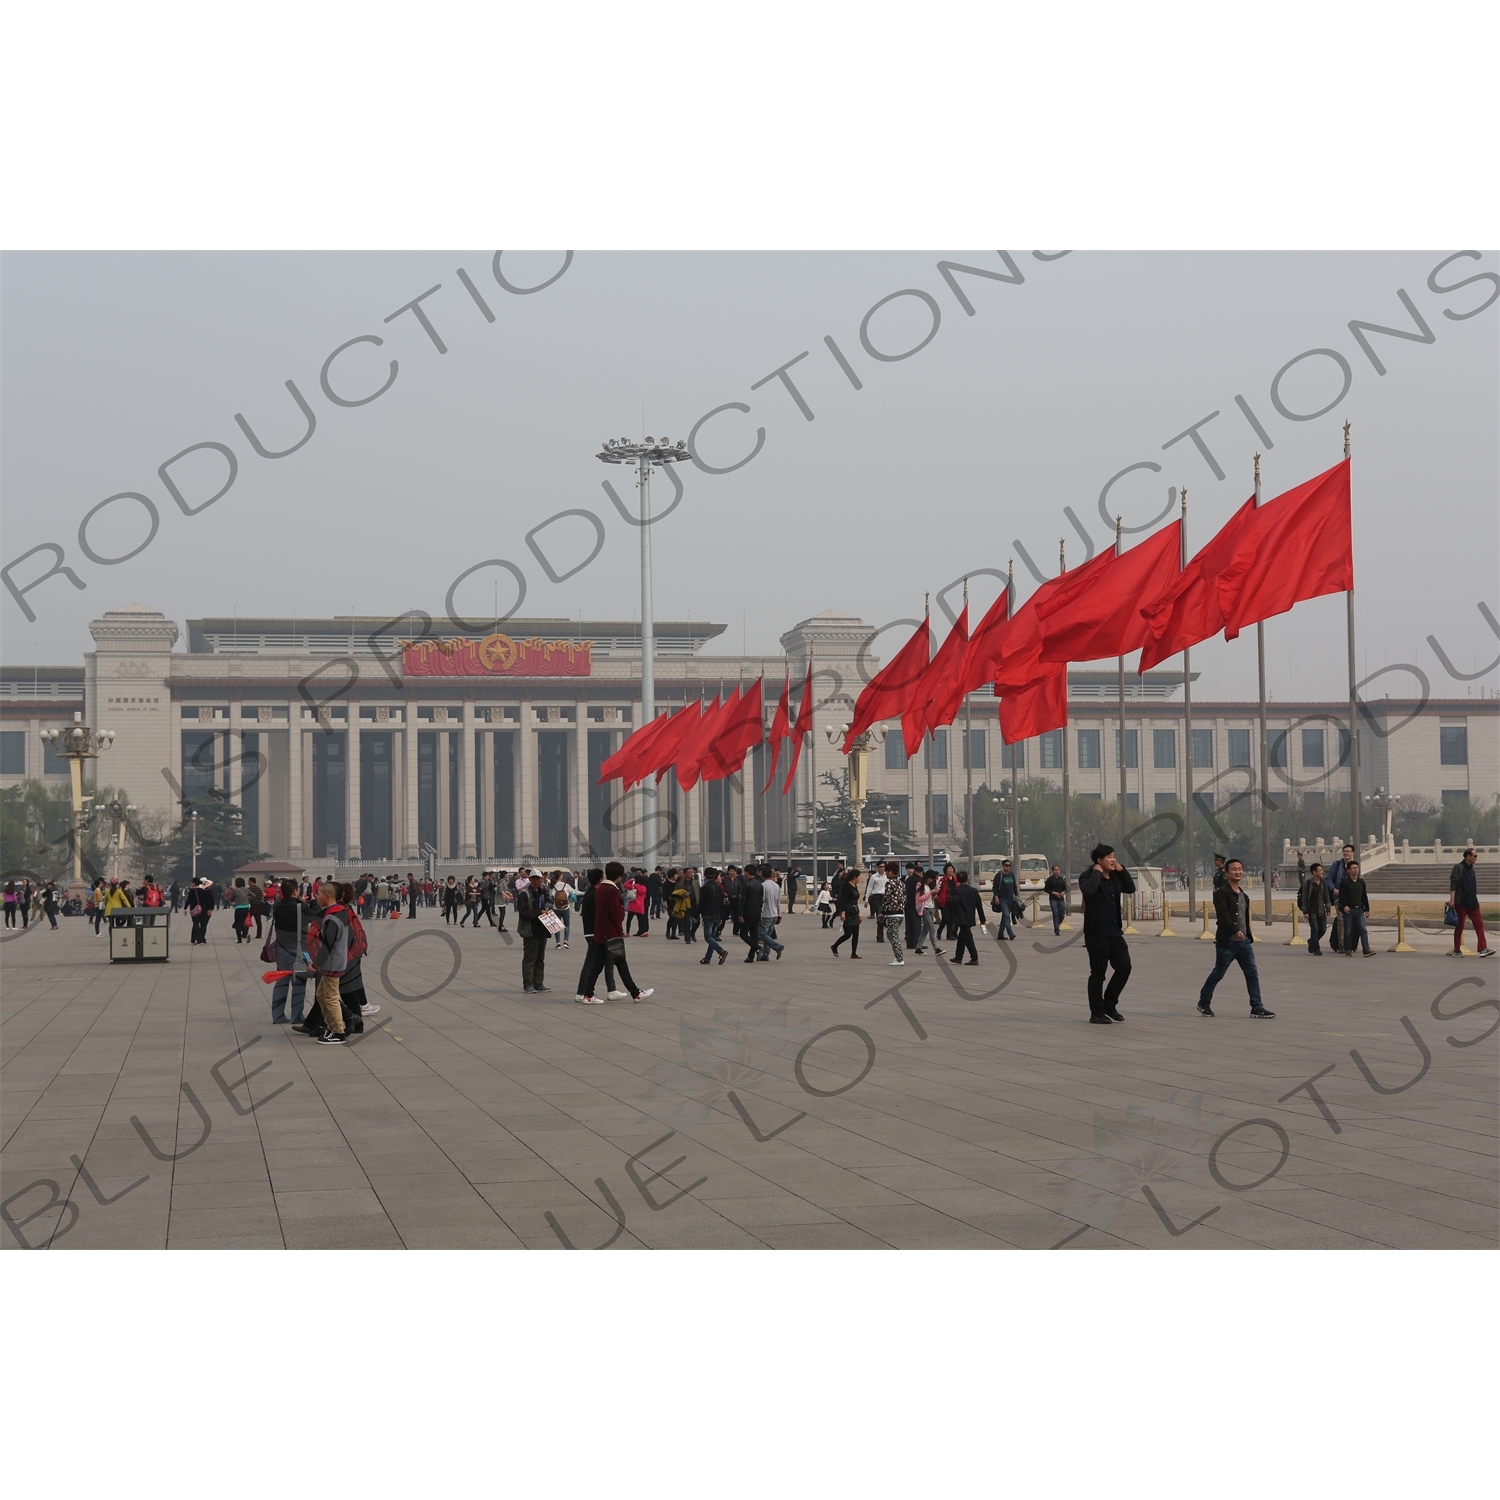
x,y
329,942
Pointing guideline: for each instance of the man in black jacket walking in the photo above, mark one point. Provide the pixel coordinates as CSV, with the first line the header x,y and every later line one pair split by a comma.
x,y
1233,943
1463,897
1101,886
752,898
965,910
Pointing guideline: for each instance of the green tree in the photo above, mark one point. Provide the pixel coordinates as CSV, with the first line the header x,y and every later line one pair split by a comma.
x,y
836,820
37,831
222,843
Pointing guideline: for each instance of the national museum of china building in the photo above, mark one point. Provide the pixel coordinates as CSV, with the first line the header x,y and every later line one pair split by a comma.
x,y
365,742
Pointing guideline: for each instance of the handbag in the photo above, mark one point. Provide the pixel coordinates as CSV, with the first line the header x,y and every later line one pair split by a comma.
x,y
1450,916
268,952
615,947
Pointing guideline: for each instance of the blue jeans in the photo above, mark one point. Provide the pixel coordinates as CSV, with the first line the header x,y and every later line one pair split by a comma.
x,y
285,959
1059,911
711,935
1007,929
1317,924
1242,953
1355,931
768,937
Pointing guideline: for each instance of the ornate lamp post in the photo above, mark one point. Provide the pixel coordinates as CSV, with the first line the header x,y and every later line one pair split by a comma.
x,y
76,745
858,754
647,454
1385,802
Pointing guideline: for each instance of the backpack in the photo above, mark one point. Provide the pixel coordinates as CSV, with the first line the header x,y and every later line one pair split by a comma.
x,y
358,943
153,895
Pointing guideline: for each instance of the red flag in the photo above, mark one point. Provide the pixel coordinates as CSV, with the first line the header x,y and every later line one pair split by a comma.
x,y
1298,546
780,730
1040,706
627,761
664,752
987,646
1186,610
690,753
886,694
741,728
1098,613
1007,650
803,726
941,689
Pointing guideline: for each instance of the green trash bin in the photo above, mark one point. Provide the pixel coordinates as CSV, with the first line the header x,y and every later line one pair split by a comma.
x,y
139,934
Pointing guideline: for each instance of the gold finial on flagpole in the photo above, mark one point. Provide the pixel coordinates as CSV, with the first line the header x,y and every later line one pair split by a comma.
x,y
1117,534
1346,440
1062,554
1257,466
966,589
1183,497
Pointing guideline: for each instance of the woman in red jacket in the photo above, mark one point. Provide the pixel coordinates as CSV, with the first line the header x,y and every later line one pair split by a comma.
x,y
609,938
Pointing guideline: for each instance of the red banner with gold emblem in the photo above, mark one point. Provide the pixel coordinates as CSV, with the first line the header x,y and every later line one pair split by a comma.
x,y
496,656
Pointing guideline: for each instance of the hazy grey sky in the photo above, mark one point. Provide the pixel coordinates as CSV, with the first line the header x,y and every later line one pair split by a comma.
x,y
113,363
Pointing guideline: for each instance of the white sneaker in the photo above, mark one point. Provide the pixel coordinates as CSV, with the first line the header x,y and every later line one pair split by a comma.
x,y
580,999
616,994
368,1010
593,1000
644,995
897,963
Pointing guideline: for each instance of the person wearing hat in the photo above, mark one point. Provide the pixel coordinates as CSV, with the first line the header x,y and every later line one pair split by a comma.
x,y
532,900
1219,876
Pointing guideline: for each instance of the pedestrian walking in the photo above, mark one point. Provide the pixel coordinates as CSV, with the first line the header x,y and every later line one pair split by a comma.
x,y
770,914
530,904
711,906
1313,901
824,904
1463,897
1101,886
586,908
50,903
1006,899
926,909
608,939
849,913
1354,908
11,902
752,898
452,899
1056,887
1336,873
200,906
965,911
1234,942
893,907
240,897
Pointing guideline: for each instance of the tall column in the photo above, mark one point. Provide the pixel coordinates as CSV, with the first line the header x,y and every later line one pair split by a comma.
x,y
295,850
352,837
526,829
580,795
235,760
484,777
468,816
409,846
444,798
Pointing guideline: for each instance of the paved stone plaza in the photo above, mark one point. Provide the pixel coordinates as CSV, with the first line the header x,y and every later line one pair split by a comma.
x,y
807,1105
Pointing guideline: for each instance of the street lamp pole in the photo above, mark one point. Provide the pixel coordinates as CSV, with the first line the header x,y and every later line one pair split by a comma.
x,y
858,754
195,843
646,455
76,745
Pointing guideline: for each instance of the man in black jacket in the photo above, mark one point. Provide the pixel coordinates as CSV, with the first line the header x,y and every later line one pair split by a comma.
x,y
1314,900
711,909
1354,908
752,897
1233,942
1101,886
965,910
531,901
1056,887
1005,899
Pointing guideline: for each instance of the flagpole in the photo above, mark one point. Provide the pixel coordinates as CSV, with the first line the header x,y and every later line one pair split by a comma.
x,y
1265,746
931,738
812,765
1187,713
968,762
1353,709
1120,684
1062,567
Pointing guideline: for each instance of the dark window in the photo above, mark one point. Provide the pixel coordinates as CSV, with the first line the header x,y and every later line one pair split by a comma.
x,y
1203,748
1052,750
13,752
505,794
1013,757
940,812
1239,747
454,789
1132,801
976,745
1132,749
197,764
720,817
1088,796
1460,795
552,793
1312,747
1278,748
375,811
1203,801
328,770
1163,748
601,747
1453,743
427,822
54,764
252,770
1088,749
1165,799
937,750
895,750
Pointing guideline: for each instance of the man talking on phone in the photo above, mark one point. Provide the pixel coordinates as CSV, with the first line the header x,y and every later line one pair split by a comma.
x,y
1101,886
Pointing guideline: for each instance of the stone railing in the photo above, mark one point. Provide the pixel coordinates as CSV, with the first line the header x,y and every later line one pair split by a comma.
x,y
1377,853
